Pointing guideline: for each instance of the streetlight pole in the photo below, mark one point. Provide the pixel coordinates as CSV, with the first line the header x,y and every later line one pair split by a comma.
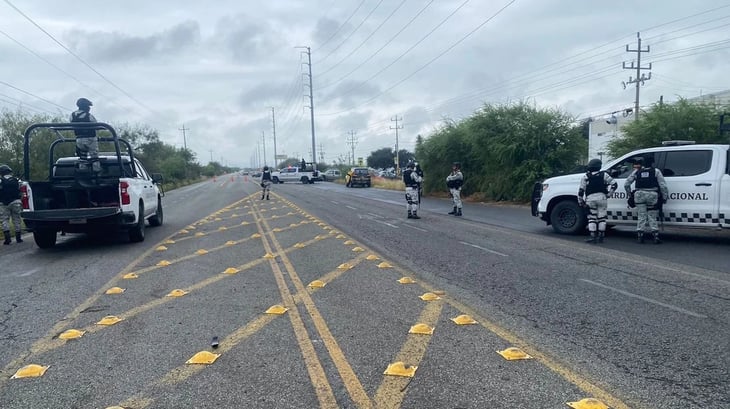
x,y
311,102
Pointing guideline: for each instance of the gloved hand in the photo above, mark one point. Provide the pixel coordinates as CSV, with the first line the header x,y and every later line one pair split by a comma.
x,y
631,202
262,184
581,202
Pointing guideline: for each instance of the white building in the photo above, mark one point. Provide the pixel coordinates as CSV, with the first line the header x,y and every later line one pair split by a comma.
x,y
602,130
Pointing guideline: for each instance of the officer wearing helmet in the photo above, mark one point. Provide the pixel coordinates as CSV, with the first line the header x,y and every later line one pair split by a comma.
x,y
412,181
265,183
595,187
650,193
87,146
10,205
454,182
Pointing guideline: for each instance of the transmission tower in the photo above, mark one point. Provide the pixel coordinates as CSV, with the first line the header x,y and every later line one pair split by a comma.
x,y
352,141
396,127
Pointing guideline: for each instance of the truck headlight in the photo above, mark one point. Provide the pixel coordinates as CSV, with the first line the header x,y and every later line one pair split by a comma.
x,y
545,186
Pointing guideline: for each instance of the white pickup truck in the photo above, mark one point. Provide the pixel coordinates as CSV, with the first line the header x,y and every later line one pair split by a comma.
x,y
295,174
697,176
74,199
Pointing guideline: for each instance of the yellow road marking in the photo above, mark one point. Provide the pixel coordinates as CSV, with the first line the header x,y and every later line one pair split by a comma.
x,y
351,381
392,390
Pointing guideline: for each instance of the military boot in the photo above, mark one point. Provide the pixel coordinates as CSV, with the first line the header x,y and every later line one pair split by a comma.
x,y
267,197
453,211
592,239
655,235
6,233
458,212
415,216
640,237
601,235
18,239
410,214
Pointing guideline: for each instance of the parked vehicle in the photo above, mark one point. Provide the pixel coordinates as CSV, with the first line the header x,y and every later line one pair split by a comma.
x,y
331,174
74,199
295,174
697,176
358,177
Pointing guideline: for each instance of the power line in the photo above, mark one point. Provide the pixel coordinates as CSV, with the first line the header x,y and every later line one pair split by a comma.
x,y
32,95
341,25
352,32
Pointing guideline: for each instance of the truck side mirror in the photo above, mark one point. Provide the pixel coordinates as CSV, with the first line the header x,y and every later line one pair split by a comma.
x,y
157,178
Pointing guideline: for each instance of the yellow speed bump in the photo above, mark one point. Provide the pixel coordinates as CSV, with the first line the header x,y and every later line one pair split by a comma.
x,y
222,228
277,309
358,249
317,284
344,266
372,257
255,236
176,293
245,223
71,334
131,276
201,252
218,219
421,329
199,234
161,248
514,354
230,243
114,290
183,231
231,270
399,369
299,245
429,297
407,280
464,320
109,320
340,236
349,242
320,237
274,217
30,371
269,255
169,241
203,358
588,403
384,265
294,225
276,229
164,263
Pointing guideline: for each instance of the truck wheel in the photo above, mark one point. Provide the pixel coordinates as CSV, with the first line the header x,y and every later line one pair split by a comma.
x,y
136,234
304,180
275,180
568,218
44,238
157,219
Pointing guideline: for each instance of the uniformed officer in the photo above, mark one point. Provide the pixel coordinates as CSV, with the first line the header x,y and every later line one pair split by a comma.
x,y
10,206
265,183
595,186
650,193
419,172
454,182
412,180
87,145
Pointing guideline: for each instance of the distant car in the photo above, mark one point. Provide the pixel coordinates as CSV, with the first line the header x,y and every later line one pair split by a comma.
x,y
358,177
331,174
256,174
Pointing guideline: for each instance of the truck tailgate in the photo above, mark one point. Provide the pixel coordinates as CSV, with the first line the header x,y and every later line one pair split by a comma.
x,y
71,214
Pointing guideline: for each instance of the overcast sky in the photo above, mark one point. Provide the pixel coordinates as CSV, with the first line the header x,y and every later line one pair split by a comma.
x,y
218,68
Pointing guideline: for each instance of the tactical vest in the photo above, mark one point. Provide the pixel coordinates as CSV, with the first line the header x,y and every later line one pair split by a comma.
x,y
10,190
407,178
595,183
646,179
266,175
82,116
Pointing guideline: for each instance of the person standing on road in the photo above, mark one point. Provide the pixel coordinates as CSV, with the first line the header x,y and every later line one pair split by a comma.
x,y
650,193
412,180
265,183
595,187
10,205
419,172
454,182
87,145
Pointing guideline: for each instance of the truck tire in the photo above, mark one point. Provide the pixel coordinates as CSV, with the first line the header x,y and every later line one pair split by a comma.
x,y
136,234
304,180
44,238
158,218
568,218
275,180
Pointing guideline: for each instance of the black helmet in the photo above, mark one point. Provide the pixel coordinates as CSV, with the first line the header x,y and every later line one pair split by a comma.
x,y
5,170
456,165
266,168
594,165
638,161
411,165
83,103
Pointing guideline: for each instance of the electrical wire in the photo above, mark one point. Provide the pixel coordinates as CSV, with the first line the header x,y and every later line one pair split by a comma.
x,y
353,31
341,25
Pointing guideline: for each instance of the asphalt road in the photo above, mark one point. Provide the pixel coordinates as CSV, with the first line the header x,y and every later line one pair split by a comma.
x,y
632,326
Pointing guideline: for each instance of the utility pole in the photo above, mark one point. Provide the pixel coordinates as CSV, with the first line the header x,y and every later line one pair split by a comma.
x,y
273,126
185,142
211,154
311,101
640,78
263,141
352,141
397,157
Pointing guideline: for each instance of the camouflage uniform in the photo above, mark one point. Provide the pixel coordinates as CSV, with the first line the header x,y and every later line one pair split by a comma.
x,y
10,205
649,185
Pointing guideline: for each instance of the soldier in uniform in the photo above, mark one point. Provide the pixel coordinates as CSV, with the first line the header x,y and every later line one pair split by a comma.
x,y
10,206
595,186
419,172
454,182
87,145
265,183
412,180
650,193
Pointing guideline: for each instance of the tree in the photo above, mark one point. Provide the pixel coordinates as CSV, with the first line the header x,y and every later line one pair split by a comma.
x,y
385,158
681,120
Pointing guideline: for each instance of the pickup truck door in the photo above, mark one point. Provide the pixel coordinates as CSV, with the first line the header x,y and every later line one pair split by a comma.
x,y
693,180
149,193
724,194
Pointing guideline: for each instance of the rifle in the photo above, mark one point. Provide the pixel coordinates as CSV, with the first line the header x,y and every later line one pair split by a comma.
x,y
660,204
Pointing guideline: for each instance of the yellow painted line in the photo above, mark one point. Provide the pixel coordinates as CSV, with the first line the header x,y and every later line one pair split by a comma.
x,y
392,390
321,385
351,381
